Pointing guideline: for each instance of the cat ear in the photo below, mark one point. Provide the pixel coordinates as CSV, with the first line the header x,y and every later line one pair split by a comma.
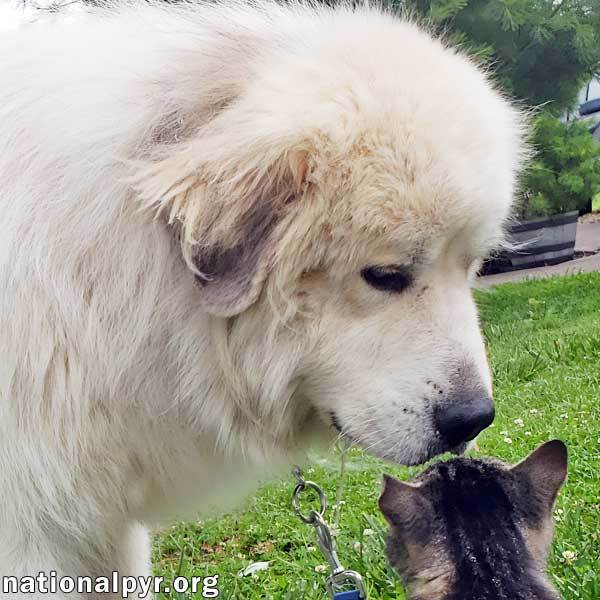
x,y
402,504
546,470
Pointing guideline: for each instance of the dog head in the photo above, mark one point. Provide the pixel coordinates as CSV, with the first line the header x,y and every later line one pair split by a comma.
x,y
334,207
473,528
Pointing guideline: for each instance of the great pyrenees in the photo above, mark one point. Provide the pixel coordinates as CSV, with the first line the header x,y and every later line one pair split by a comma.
x,y
228,231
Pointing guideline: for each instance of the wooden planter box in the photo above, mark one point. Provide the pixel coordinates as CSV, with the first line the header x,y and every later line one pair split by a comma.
x,y
544,241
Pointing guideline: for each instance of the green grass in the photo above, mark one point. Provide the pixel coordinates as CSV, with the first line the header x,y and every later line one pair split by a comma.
x,y
543,339
596,203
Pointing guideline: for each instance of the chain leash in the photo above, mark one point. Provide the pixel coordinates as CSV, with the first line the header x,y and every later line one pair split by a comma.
x,y
342,584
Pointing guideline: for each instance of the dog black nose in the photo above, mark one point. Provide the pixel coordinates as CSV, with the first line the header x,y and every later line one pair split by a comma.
x,y
462,420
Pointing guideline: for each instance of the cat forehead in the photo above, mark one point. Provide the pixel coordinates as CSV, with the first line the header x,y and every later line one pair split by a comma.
x,y
465,470
470,484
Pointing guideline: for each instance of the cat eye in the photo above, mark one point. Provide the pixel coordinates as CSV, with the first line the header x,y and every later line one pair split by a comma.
x,y
388,278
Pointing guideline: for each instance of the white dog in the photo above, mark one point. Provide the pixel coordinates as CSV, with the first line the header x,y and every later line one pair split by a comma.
x,y
227,231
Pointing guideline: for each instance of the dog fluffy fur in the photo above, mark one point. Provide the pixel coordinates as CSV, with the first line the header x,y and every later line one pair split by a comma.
x,y
188,198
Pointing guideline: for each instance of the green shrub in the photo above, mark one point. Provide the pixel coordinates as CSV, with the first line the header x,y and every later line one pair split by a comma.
x,y
565,173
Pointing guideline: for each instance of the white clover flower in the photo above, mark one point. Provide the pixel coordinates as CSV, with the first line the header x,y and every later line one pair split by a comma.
x,y
504,433
357,546
368,532
528,433
519,422
564,416
569,555
558,515
534,411
508,440
321,569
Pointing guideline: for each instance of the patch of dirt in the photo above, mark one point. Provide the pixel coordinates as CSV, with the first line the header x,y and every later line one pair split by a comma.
x,y
262,548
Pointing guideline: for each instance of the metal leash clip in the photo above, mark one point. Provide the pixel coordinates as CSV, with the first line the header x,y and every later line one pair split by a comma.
x,y
342,584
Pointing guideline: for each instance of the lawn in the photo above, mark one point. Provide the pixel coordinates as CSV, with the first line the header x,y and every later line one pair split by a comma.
x,y
543,340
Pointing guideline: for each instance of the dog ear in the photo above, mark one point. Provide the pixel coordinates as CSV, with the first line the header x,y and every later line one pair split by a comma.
x,y
229,210
545,469
403,504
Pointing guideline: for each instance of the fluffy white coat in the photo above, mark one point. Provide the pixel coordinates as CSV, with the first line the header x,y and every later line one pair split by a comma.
x,y
188,198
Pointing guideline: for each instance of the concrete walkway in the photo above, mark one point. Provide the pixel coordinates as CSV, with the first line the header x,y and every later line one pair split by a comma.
x,y
588,240
588,237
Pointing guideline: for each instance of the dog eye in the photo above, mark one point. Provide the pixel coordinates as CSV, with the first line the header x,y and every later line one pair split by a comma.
x,y
391,278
